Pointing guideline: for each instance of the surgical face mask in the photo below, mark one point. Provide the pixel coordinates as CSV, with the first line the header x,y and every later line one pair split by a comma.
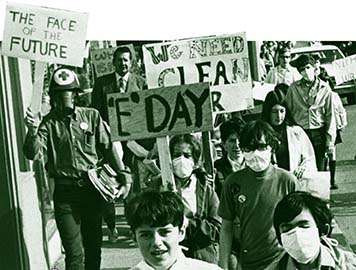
x,y
183,167
308,74
302,244
258,160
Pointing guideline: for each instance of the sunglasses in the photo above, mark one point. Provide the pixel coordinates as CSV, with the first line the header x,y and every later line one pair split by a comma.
x,y
253,147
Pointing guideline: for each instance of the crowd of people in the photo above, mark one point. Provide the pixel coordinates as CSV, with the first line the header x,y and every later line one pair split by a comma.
x,y
250,214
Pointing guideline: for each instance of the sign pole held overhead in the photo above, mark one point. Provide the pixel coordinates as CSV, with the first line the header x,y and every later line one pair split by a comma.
x,y
37,88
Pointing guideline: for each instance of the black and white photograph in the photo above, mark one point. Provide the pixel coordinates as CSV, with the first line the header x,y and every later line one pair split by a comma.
x,y
156,136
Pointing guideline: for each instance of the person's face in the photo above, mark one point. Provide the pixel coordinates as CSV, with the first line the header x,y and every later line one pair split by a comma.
x,y
232,146
159,246
308,73
303,220
183,149
278,115
64,99
261,146
122,63
284,59
317,66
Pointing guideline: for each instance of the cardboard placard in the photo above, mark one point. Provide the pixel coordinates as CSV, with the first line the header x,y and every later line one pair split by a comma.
x,y
220,60
45,34
102,59
344,69
160,112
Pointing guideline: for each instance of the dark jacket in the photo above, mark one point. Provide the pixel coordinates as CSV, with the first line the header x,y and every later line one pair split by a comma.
x,y
107,84
202,235
223,169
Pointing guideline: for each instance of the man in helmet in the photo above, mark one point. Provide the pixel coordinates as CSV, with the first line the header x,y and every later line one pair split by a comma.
x,y
73,139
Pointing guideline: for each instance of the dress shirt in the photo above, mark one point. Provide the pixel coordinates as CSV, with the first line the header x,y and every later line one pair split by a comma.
x,y
122,86
311,106
71,143
286,75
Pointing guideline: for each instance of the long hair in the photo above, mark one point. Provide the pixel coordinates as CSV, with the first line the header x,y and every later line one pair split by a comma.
x,y
276,97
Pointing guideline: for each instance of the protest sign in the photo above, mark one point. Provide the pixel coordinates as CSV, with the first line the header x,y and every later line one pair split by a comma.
x,y
220,60
159,112
344,69
260,90
44,34
102,59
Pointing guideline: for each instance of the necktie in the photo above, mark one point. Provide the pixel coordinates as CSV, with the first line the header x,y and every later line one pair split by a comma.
x,y
122,85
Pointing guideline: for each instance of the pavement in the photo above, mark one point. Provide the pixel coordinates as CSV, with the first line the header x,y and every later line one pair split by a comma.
x,y
124,254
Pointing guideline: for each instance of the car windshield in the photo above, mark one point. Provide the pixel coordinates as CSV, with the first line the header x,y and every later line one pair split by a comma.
x,y
326,56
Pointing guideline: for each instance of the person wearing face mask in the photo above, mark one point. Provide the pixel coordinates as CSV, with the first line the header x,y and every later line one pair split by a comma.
x,y
199,198
73,140
251,195
295,152
310,104
303,225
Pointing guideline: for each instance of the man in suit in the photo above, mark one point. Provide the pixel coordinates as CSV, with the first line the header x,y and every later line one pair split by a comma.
x,y
120,81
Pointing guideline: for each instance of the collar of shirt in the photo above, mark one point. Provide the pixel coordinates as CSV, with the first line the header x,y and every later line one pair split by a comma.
x,y
125,77
325,259
143,265
60,116
236,165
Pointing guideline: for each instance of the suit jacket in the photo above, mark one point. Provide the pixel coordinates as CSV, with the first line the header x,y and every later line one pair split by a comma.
x,y
107,84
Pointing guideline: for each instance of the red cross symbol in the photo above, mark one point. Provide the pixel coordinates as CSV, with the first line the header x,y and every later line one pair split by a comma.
x,y
64,75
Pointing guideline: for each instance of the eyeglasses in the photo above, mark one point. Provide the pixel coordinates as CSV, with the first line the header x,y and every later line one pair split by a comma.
x,y
253,147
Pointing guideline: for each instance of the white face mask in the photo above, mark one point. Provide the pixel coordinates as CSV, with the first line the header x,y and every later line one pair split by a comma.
x,y
302,244
308,74
258,160
183,167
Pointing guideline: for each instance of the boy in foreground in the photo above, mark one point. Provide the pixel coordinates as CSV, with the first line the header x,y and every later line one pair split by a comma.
x,y
157,222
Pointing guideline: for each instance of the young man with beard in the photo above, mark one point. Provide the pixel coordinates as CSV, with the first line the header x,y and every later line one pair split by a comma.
x,y
250,195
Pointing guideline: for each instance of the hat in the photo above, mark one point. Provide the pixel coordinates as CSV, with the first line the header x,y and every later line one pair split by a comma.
x,y
302,61
64,79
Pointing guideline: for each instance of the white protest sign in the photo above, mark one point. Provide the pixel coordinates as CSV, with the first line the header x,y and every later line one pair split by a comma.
x,y
344,69
159,112
220,60
45,34
102,59
260,90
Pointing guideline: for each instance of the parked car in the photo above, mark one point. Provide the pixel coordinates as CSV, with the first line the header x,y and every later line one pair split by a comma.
x,y
329,54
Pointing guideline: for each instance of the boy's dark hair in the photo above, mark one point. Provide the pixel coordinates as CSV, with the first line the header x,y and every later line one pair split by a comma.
x,y
283,50
232,126
294,203
276,97
302,61
189,139
155,209
121,50
253,132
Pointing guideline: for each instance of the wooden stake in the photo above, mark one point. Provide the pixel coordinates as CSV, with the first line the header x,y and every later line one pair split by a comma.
x,y
166,164
37,88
